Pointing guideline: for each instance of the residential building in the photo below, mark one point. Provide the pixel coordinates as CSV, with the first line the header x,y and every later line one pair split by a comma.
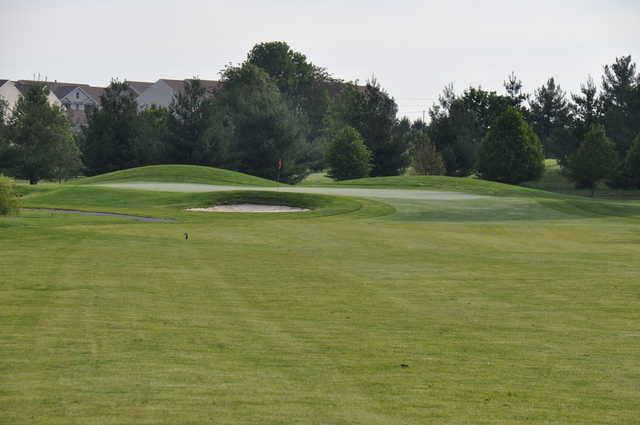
x,y
11,91
162,92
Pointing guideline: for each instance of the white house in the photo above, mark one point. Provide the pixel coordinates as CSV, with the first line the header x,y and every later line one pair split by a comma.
x,y
11,91
162,92
23,86
10,94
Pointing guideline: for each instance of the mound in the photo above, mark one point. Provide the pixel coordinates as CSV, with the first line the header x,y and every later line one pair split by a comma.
x,y
443,183
179,174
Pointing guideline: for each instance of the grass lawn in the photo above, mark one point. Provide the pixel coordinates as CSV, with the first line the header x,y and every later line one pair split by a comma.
x,y
519,307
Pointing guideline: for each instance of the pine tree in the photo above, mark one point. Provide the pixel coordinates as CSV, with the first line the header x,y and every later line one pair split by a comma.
x,y
550,113
594,161
347,155
41,143
511,152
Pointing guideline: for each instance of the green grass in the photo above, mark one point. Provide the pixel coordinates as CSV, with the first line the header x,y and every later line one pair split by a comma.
x,y
554,181
178,174
440,183
520,308
316,179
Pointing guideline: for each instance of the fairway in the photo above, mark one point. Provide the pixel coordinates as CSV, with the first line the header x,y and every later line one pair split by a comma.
x,y
408,300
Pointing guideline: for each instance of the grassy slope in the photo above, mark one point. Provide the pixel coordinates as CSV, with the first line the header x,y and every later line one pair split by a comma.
x,y
178,174
269,320
442,183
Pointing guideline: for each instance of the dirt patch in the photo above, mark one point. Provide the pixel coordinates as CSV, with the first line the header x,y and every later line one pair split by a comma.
x,y
250,208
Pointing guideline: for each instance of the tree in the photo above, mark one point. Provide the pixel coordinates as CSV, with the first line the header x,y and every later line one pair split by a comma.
x,y
372,112
347,155
40,140
264,134
151,144
305,86
594,161
511,152
8,200
189,124
549,113
513,87
112,130
4,142
427,161
460,123
631,168
586,107
621,102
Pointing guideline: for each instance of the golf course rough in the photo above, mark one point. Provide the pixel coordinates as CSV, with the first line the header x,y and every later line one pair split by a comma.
x,y
512,306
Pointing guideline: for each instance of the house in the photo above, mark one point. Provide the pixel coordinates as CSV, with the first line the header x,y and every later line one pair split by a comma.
x,y
10,94
162,92
137,87
23,86
80,101
11,91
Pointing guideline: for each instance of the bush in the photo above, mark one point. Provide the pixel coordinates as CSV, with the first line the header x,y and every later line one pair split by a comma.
x,y
511,152
427,161
347,155
595,159
8,200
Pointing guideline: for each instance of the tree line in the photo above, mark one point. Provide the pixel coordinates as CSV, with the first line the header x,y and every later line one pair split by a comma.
x,y
279,116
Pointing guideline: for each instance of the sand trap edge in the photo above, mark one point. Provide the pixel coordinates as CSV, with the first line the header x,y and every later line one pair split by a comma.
x,y
248,208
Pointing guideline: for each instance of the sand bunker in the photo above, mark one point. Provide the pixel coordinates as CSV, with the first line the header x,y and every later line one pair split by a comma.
x,y
249,208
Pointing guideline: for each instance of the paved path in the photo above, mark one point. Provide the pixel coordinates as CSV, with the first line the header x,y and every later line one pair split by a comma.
x,y
101,214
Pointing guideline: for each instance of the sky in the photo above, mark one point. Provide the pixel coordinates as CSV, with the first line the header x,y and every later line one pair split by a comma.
x,y
413,48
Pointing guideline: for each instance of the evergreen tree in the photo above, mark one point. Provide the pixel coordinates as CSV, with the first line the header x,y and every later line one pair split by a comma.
x,y
151,145
513,87
460,123
264,134
511,152
110,136
189,123
621,102
347,155
550,113
631,169
594,161
40,139
586,107
427,161
372,112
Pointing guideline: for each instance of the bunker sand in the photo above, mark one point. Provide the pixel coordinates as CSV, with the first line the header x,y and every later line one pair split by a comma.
x,y
249,208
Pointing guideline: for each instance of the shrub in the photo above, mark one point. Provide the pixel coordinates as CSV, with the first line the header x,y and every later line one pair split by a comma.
x,y
427,161
8,200
595,159
347,155
511,152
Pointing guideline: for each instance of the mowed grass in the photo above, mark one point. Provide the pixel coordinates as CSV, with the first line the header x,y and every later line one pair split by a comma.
x,y
500,318
178,174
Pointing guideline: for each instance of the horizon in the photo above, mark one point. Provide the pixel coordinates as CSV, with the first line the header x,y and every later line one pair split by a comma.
x,y
546,44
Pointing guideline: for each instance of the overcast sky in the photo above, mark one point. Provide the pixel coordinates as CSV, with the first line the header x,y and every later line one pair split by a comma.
x,y
414,48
